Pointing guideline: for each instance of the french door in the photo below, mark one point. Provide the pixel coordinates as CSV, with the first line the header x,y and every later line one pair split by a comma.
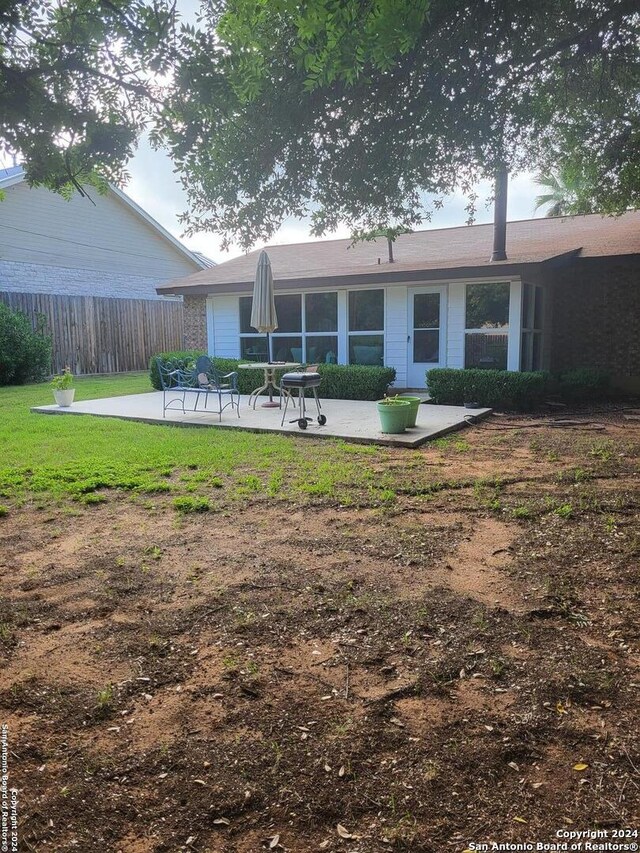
x,y
427,333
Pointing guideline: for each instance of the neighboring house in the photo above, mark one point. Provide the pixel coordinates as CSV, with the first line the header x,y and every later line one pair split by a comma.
x,y
567,296
105,245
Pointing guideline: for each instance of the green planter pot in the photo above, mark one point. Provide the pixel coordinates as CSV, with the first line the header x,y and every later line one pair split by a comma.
x,y
412,414
393,417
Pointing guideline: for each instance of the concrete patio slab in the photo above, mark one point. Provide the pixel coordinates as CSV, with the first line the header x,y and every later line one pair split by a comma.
x,y
351,420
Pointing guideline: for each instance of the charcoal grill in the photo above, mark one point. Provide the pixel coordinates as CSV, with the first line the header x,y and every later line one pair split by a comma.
x,y
288,384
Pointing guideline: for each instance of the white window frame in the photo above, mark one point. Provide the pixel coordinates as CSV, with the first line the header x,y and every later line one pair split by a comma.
x,y
303,333
504,330
369,333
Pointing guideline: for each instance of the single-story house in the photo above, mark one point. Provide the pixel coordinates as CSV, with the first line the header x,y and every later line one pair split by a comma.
x,y
567,296
93,245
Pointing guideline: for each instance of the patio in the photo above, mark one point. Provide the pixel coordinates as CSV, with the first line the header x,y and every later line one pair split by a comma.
x,y
351,420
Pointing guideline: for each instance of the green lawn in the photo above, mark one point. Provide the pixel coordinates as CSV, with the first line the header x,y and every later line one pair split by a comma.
x,y
82,456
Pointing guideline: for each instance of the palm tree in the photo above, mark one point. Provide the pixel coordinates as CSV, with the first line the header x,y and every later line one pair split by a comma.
x,y
566,192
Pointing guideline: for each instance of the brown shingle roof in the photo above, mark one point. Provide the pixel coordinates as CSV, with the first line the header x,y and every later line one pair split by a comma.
x,y
528,242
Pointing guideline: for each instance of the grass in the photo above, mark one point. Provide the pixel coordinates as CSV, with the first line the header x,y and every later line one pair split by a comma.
x,y
62,456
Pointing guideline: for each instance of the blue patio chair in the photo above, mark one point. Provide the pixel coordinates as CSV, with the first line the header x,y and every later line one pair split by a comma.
x,y
210,381
176,383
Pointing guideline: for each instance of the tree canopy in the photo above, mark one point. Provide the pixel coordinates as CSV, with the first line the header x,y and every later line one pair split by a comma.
x,y
77,83
367,113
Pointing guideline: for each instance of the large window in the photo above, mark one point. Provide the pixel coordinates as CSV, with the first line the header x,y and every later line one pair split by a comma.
x,y
531,344
487,326
307,329
366,327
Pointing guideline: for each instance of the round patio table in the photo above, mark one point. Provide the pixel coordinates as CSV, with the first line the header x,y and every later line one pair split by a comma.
x,y
270,385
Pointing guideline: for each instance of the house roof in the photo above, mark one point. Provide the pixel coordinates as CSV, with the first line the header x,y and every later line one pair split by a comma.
x,y
447,250
16,175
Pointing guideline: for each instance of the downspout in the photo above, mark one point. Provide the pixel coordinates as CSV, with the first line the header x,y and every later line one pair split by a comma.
x,y
500,215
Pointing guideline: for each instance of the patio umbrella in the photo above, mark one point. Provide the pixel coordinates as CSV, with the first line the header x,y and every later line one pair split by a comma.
x,y
263,306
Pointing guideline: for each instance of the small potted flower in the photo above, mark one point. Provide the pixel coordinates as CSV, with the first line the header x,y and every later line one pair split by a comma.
x,y
63,389
393,414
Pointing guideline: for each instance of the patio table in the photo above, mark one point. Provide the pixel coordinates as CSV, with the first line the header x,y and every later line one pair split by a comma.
x,y
270,385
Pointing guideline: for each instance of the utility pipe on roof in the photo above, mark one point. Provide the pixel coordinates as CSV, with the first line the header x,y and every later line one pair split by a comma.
x,y
500,215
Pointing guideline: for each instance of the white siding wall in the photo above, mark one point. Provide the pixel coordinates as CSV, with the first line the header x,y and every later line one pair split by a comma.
x,y
38,227
223,325
396,322
455,325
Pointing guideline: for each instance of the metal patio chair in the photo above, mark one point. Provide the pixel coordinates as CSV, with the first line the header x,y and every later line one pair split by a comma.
x,y
208,380
176,383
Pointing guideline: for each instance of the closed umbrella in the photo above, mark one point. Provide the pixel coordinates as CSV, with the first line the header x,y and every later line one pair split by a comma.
x,y
263,305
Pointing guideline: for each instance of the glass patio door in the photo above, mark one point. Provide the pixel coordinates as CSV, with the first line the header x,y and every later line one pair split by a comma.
x,y
427,333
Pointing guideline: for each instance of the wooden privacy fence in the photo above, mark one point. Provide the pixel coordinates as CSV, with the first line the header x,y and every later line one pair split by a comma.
x,y
96,334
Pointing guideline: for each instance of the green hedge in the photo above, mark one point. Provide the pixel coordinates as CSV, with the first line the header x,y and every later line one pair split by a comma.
x,y
339,381
494,388
512,390
178,358
25,354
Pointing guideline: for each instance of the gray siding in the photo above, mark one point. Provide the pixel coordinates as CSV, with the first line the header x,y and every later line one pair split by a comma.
x,y
103,242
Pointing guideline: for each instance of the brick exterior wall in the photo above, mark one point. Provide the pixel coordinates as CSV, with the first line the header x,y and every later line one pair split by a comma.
x,y
195,322
596,317
19,277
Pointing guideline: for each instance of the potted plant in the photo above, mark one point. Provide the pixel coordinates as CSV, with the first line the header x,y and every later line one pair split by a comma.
x,y
393,414
63,389
414,404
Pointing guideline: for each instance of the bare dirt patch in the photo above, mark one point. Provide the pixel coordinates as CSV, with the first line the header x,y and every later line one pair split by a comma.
x,y
425,672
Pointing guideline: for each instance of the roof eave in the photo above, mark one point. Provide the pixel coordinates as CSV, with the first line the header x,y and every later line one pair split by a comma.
x,y
503,269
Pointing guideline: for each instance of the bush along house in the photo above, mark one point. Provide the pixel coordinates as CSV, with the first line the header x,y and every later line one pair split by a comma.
x,y
565,295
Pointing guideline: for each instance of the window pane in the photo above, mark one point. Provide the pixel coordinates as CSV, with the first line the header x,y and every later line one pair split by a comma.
x,y
426,346
536,358
488,351
245,314
426,311
287,348
366,311
366,349
321,312
289,311
525,350
322,349
487,306
254,348
537,313
527,314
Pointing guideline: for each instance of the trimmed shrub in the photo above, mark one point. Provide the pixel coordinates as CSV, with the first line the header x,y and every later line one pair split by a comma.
x,y
492,388
25,354
355,381
583,384
177,359
339,381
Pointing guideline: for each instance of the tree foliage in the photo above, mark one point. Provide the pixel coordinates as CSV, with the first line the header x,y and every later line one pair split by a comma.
x,y
565,192
25,353
76,82
358,113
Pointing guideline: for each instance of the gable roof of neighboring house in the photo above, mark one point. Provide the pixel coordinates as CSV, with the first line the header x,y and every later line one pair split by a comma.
x,y
425,254
15,175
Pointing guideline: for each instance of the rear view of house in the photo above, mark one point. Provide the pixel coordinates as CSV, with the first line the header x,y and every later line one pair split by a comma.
x,y
567,296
